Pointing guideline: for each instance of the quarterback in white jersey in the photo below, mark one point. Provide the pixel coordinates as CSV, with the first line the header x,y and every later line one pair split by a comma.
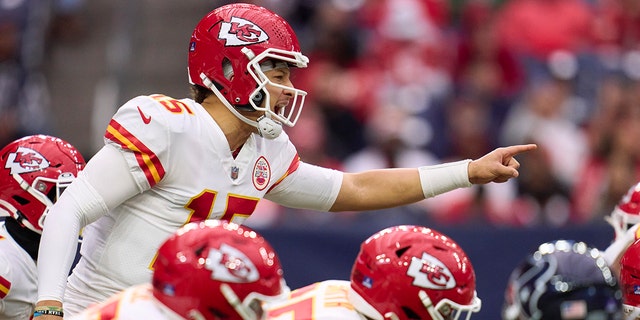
x,y
170,161
184,172
326,300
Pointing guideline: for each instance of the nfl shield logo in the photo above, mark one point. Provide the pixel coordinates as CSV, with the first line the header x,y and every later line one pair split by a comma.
x,y
367,282
234,172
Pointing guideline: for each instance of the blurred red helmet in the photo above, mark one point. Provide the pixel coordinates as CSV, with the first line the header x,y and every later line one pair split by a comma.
x,y
216,269
630,280
627,211
35,171
229,51
413,272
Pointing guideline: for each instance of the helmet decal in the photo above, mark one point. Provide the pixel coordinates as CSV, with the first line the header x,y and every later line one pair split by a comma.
x,y
229,264
25,160
240,32
430,273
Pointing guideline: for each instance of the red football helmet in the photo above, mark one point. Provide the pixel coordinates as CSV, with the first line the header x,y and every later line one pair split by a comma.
x,y
229,51
630,280
216,269
627,211
35,171
413,272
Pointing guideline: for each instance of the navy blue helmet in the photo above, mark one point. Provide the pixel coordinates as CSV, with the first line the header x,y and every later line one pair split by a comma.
x,y
563,280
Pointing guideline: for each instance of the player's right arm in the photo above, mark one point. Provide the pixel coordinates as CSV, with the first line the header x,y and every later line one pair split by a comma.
x,y
123,168
102,185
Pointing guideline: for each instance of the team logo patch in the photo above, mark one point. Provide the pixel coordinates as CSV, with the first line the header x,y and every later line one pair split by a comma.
x,y
429,272
241,32
261,174
229,264
25,160
367,282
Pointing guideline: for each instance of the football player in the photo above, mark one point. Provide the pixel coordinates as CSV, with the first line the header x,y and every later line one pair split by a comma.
x,y
626,213
206,271
167,162
401,273
630,281
624,219
562,280
34,171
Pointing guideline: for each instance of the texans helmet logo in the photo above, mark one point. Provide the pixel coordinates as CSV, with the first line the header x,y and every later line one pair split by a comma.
x,y
25,160
241,32
229,264
430,273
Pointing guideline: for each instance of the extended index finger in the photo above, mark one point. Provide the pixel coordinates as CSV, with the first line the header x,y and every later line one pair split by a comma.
x,y
519,148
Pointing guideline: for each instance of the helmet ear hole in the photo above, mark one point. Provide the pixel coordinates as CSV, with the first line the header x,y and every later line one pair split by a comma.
x,y
258,97
227,68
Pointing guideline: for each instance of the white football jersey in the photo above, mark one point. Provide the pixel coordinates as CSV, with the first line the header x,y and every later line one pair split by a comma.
x,y
133,303
181,161
18,279
326,300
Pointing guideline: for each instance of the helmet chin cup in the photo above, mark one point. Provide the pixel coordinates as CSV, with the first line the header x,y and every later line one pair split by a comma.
x,y
269,128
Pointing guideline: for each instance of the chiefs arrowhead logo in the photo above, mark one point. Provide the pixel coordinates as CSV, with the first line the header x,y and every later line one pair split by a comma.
x,y
261,173
429,272
25,160
229,264
241,32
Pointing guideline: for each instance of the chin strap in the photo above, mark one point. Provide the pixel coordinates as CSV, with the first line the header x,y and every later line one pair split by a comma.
x,y
428,304
235,302
266,126
269,128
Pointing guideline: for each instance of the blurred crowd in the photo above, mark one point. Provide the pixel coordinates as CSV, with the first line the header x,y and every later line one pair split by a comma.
x,y
27,29
409,82
414,82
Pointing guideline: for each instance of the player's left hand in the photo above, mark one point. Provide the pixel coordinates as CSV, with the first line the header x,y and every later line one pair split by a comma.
x,y
498,165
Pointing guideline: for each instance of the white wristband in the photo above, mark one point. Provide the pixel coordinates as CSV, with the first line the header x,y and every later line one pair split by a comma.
x,y
444,177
